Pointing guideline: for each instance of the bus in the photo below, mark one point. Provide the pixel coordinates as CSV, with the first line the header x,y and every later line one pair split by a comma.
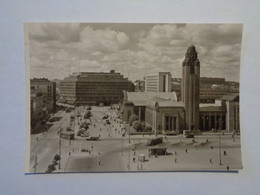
x,y
67,134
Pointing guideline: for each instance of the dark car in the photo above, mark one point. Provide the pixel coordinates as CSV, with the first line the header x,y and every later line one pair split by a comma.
x,y
189,136
105,117
93,138
155,141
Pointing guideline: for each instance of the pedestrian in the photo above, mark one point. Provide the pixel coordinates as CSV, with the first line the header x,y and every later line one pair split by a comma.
x,y
186,150
134,159
69,153
227,168
211,147
225,153
134,153
210,160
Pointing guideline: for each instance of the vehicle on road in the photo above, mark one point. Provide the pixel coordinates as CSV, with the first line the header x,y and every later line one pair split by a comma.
x,y
84,150
155,141
105,117
93,138
67,134
68,129
85,134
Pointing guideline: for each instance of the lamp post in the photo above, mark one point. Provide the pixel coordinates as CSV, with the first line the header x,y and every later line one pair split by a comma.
x,y
60,148
220,125
220,163
129,134
122,145
35,164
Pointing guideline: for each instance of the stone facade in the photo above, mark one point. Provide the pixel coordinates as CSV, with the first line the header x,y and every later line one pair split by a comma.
x,y
190,88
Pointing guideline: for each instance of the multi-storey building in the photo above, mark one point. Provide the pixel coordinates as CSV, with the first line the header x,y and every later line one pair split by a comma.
x,y
48,91
140,85
160,82
94,88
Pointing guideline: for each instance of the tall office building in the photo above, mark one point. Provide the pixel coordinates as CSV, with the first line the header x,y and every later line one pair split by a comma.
x,y
160,82
94,88
190,88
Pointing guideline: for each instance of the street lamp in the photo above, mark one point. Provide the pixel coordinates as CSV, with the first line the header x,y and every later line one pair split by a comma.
x,y
35,164
220,125
60,148
220,148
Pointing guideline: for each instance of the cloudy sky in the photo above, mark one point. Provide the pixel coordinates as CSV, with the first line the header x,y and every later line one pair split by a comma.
x,y
132,49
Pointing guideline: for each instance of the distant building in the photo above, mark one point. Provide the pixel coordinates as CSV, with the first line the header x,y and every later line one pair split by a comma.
x,y
140,85
48,91
57,81
160,82
94,88
214,88
36,107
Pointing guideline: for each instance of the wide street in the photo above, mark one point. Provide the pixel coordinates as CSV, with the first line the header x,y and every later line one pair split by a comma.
x,y
115,153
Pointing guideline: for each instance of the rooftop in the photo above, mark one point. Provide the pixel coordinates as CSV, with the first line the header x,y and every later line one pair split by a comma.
x,y
230,97
150,99
149,95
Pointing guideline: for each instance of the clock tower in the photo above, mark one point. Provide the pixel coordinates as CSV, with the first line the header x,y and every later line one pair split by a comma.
x,y
190,88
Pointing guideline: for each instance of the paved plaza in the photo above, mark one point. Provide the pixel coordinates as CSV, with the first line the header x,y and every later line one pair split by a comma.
x,y
114,152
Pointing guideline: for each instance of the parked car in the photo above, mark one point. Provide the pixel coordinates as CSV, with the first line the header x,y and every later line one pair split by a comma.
x,y
85,134
93,138
105,117
84,150
155,141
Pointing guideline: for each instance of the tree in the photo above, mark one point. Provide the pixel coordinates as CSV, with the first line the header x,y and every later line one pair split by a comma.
x,y
137,126
133,118
57,157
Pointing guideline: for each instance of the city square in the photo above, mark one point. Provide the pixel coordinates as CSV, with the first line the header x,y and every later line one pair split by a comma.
x,y
115,153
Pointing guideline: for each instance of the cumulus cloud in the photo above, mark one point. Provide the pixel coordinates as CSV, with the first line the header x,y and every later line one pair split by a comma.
x,y
101,40
133,49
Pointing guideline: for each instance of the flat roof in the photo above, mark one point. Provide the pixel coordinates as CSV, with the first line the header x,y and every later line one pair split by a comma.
x,y
230,97
149,95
